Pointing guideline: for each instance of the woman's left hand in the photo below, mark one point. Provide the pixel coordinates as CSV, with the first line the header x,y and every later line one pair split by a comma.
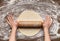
x,y
11,21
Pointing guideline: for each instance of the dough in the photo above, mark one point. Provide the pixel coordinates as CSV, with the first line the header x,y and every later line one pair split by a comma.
x,y
29,32
29,17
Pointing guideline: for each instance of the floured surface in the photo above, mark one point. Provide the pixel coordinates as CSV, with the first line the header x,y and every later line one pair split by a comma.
x,y
29,15
40,7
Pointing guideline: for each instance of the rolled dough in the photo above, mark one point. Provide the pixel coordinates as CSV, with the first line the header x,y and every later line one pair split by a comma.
x,y
29,15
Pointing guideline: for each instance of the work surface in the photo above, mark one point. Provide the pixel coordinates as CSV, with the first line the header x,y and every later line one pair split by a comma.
x,y
35,39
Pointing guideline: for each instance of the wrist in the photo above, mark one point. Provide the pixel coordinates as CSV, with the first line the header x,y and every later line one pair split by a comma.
x,y
45,28
14,28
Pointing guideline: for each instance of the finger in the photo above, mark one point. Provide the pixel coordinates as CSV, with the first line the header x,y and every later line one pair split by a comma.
x,y
46,19
49,19
8,22
7,19
11,20
11,17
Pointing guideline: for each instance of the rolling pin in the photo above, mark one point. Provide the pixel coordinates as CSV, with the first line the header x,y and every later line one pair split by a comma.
x,y
30,24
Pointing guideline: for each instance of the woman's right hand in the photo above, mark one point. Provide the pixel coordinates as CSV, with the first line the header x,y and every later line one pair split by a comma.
x,y
47,23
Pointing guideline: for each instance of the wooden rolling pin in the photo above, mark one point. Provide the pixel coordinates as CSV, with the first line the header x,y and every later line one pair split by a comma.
x,y
30,24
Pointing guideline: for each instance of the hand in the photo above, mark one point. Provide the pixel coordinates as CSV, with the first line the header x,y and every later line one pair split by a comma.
x,y
47,23
11,21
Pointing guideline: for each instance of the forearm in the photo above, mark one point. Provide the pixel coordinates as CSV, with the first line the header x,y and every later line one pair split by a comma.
x,y
46,33
13,35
